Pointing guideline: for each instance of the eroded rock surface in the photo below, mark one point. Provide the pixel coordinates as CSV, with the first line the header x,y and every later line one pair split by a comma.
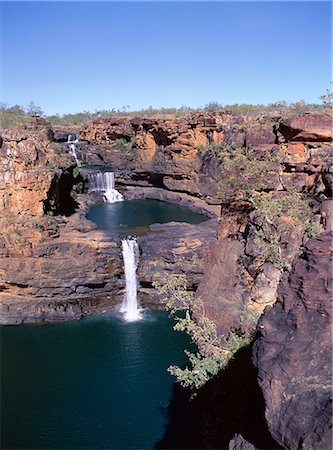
x,y
294,352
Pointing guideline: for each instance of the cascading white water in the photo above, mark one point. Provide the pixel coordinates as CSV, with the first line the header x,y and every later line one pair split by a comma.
x,y
72,140
130,306
104,182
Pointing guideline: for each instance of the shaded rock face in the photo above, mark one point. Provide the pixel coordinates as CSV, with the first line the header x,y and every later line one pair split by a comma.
x,y
174,248
294,354
222,287
230,409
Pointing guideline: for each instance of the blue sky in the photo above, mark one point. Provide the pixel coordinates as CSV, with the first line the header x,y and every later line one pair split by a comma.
x,y
74,56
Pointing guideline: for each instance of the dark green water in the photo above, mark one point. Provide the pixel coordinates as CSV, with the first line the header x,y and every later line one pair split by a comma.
x,y
134,216
96,383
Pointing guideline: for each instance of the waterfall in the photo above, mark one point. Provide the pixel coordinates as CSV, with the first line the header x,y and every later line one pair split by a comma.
x,y
72,140
104,182
131,258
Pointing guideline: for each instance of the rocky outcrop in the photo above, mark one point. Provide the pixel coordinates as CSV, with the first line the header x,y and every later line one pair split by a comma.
x,y
175,248
294,352
309,127
171,153
25,174
58,272
222,287
239,443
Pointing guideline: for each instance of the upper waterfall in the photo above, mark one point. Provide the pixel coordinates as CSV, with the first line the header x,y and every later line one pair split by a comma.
x,y
72,140
104,182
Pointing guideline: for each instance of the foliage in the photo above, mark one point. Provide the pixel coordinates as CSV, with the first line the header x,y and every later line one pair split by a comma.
x,y
327,97
34,110
243,173
18,116
272,210
270,246
214,351
213,106
219,151
11,116
121,142
291,204
14,117
76,172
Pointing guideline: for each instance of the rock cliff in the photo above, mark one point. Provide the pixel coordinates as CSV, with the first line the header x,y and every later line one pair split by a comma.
x,y
294,352
174,159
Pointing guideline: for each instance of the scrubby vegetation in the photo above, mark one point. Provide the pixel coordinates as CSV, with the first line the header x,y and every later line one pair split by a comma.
x,y
57,160
272,211
20,116
244,172
214,351
291,204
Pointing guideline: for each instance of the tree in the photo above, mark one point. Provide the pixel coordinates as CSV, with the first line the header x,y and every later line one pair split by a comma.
x,y
34,110
213,350
327,97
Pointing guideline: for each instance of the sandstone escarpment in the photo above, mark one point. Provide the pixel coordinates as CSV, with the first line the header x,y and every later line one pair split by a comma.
x,y
294,352
169,159
170,153
51,268
259,240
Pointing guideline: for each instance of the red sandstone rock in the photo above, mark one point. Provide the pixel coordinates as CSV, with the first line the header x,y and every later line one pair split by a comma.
x,y
222,286
310,127
294,352
260,137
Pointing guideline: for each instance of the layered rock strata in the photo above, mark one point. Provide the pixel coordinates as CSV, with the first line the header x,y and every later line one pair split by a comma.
x,y
168,159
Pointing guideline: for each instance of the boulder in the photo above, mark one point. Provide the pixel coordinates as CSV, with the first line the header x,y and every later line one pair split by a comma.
x,y
309,127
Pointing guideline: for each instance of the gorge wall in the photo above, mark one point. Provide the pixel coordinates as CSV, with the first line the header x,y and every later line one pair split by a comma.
x,y
179,160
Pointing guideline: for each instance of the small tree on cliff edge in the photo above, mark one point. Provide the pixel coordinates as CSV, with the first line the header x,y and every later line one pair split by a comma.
x,y
327,97
34,110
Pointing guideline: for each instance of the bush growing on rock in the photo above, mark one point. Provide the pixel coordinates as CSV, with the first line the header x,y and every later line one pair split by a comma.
x,y
243,172
273,212
214,351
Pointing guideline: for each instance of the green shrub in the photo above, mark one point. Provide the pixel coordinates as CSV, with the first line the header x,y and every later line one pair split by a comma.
x,y
214,351
120,142
291,204
76,172
244,174
14,117
270,246
272,210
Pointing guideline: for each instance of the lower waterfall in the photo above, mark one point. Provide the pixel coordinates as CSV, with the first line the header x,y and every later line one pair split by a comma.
x,y
104,182
130,306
